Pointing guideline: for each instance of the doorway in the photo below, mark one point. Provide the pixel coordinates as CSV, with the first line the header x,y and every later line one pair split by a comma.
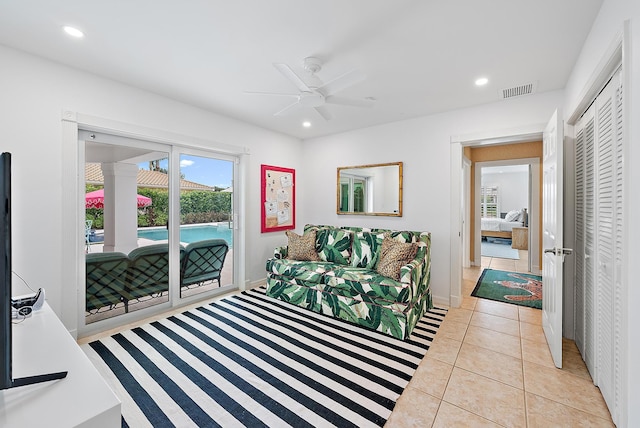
x,y
504,206
504,181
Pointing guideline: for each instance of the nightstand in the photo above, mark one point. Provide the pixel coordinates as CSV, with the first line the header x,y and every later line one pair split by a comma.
x,y
520,238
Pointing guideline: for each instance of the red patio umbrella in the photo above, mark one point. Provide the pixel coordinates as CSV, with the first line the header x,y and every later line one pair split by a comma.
x,y
95,199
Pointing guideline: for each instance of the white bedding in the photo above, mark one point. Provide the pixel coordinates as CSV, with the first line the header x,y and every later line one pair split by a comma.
x,y
498,224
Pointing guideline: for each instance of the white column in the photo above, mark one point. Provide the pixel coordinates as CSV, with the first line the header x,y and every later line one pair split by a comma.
x,y
120,207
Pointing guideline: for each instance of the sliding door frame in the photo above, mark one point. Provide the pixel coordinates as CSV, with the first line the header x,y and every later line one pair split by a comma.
x,y
73,159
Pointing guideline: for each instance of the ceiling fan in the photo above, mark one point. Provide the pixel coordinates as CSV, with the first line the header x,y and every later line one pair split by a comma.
x,y
316,94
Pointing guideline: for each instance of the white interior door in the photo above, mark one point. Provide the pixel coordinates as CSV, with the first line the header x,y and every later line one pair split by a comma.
x,y
553,256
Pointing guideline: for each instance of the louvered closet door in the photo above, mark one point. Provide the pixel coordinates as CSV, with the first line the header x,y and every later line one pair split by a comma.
x,y
589,246
579,298
607,136
618,248
599,240
605,239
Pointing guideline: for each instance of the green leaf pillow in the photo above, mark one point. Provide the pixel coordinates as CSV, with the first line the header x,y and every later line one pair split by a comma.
x,y
334,245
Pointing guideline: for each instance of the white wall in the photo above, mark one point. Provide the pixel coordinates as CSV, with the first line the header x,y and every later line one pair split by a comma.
x,y
607,25
513,189
34,94
423,145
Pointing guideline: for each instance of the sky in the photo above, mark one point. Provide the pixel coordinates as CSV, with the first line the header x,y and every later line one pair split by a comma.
x,y
202,170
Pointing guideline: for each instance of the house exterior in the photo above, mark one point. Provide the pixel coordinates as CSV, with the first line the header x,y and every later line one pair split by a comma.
x,y
146,179
40,98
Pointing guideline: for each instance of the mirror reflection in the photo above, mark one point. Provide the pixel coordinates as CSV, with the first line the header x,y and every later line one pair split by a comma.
x,y
370,189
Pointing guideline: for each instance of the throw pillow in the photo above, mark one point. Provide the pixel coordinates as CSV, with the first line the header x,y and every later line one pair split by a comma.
x,y
302,248
334,245
512,215
394,255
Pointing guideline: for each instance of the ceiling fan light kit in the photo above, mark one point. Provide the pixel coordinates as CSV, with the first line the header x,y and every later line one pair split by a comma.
x,y
315,94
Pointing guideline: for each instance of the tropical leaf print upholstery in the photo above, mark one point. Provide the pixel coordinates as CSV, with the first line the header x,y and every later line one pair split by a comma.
x,y
350,287
334,245
366,246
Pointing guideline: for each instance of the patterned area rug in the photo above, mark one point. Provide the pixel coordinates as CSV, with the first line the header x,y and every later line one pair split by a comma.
x,y
250,360
510,287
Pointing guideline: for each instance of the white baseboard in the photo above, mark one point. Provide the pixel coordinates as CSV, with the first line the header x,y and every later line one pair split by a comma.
x,y
441,301
255,284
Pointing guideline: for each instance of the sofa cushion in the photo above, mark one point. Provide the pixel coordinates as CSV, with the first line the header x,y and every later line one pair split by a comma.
x,y
366,284
334,245
366,249
302,270
394,255
303,247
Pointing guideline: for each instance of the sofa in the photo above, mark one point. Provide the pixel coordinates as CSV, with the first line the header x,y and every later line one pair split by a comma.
x,y
339,272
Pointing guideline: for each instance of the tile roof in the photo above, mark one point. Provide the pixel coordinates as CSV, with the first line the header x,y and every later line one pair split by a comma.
x,y
146,178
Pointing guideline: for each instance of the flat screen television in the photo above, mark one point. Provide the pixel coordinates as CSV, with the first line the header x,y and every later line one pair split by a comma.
x,y
6,378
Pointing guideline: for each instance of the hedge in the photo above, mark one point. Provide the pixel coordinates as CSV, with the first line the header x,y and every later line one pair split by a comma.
x,y
195,207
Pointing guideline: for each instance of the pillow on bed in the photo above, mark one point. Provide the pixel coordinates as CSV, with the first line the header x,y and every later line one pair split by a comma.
x,y
513,215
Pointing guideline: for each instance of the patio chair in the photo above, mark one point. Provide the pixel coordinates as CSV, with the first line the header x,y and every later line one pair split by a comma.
x,y
105,280
203,261
87,233
148,272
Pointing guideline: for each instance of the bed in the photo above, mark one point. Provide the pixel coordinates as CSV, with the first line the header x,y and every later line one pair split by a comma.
x,y
502,227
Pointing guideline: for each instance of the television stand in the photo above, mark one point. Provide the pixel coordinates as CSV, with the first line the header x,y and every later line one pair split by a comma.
x,y
31,380
42,344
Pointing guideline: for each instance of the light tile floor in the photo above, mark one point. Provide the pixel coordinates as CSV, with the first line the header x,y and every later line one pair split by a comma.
x,y
489,366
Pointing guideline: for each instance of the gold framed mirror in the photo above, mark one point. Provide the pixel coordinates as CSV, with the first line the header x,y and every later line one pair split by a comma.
x,y
370,190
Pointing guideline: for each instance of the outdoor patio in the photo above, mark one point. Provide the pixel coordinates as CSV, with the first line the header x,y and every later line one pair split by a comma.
x,y
226,278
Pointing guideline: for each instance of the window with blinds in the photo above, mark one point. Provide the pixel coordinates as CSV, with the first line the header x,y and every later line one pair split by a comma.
x,y
489,205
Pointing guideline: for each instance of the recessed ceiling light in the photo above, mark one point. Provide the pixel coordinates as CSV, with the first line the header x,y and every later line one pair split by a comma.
x,y
72,31
306,124
482,81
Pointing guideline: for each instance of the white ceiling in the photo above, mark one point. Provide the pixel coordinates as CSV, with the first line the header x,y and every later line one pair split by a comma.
x,y
421,56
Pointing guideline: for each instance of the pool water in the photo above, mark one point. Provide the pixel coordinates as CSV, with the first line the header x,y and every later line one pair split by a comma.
x,y
191,234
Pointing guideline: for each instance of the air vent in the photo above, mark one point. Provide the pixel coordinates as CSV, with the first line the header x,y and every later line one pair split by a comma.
x,y
518,91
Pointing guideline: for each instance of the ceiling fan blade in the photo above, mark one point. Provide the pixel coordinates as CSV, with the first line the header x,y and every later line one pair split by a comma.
x,y
341,82
292,76
324,112
332,99
286,109
271,93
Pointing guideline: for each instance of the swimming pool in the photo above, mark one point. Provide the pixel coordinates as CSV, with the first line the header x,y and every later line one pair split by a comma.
x,y
190,234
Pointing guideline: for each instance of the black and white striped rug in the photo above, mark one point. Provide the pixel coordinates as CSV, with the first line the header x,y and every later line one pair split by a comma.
x,y
250,360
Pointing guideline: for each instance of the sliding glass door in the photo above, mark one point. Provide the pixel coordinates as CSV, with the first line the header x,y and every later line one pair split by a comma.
x,y
206,223
158,226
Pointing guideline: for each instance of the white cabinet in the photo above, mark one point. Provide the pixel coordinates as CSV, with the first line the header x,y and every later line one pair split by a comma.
x,y
41,344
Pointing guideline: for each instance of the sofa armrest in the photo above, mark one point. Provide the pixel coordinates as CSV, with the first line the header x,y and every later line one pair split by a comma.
x,y
417,271
408,271
280,252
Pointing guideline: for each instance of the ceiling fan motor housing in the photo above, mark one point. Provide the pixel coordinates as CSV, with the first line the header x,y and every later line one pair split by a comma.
x,y
311,99
312,65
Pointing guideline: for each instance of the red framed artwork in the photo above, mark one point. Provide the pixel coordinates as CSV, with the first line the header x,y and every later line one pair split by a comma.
x,y
278,198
